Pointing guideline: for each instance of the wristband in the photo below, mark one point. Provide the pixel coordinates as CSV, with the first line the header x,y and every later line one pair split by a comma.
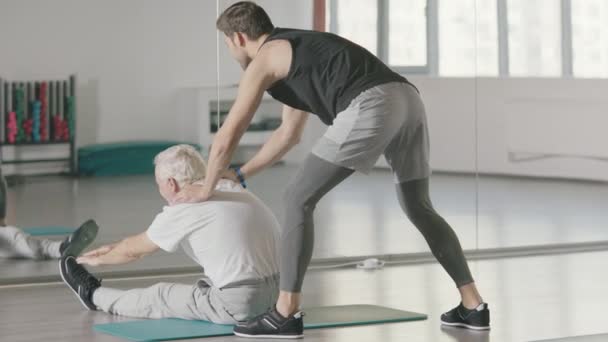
x,y
240,176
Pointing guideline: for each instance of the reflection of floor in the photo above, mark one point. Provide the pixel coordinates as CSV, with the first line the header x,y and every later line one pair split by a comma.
x,y
360,217
530,298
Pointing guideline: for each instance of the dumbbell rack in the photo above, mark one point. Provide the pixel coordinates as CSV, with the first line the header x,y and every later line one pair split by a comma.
x,y
38,113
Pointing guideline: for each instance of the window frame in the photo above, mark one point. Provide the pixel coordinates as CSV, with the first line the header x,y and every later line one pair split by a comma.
x,y
432,37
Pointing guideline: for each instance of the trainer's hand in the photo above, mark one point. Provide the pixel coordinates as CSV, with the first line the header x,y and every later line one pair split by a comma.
x,y
231,174
192,193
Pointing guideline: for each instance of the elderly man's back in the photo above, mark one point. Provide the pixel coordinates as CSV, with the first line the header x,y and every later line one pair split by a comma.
x,y
232,236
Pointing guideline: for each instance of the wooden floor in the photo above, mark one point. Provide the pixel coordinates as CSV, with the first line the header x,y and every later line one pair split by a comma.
x,y
530,299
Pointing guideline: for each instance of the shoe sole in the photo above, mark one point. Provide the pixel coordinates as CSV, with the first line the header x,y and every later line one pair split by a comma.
x,y
81,239
61,271
467,326
278,337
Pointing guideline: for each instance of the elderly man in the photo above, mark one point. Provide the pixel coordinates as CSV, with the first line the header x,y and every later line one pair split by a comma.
x,y
232,237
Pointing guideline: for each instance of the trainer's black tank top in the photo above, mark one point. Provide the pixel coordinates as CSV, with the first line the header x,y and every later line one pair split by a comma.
x,y
327,72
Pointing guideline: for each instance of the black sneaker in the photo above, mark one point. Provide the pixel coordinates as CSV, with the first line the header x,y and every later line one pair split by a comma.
x,y
272,325
79,240
80,281
476,319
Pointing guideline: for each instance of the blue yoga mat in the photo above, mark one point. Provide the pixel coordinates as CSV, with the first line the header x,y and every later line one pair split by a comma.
x,y
587,338
45,231
316,318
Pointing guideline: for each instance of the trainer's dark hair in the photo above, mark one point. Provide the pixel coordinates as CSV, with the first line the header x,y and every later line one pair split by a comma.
x,y
246,17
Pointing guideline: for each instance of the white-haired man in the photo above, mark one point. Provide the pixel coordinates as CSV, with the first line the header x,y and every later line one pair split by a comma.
x,y
232,237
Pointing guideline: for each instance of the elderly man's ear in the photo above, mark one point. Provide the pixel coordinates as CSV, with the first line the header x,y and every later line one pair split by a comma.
x,y
173,185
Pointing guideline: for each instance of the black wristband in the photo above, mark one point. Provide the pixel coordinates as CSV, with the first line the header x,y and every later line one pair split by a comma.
x,y
240,176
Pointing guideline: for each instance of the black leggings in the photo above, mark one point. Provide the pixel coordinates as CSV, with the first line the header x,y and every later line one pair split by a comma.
x,y
314,179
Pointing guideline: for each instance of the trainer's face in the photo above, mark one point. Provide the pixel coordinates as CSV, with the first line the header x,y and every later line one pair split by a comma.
x,y
236,46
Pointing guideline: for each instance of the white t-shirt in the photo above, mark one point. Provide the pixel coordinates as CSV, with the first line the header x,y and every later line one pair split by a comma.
x,y
232,236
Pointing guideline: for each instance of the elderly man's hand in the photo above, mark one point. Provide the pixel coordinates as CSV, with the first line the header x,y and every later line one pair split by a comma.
x,y
193,193
90,260
103,250
93,258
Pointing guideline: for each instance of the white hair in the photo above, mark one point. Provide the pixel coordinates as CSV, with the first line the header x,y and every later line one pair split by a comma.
x,y
182,163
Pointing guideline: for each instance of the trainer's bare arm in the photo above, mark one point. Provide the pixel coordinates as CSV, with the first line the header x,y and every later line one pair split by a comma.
x,y
280,142
130,249
270,65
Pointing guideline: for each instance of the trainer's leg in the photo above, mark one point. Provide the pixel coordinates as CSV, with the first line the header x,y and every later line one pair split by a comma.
x,y
441,238
162,300
15,243
312,181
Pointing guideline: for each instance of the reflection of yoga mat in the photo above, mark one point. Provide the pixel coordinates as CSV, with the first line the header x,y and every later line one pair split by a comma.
x,y
44,231
321,317
588,338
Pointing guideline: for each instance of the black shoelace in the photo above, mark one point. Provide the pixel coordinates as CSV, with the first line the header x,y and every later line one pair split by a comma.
x,y
84,277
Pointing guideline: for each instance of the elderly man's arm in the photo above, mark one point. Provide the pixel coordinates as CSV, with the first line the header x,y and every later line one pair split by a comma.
x,y
128,250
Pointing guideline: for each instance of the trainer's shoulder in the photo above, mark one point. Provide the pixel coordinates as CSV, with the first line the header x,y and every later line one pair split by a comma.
x,y
275,58
275,48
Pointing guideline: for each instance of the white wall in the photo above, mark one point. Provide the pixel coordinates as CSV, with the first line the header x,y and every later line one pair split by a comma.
x,y
131,57
517,118
134,57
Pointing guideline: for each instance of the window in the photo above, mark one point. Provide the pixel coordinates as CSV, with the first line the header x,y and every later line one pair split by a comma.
x,y
534,38
407,33
460,23
361,29
467,38
590,38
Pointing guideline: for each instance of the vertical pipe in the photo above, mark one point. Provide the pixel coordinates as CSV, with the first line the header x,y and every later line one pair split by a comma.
x,y
59,94
567,52
503,38
64,109
73,157
2,115
318,11
432,28
52,109
29,104
217,67
9,96
382,30
26,100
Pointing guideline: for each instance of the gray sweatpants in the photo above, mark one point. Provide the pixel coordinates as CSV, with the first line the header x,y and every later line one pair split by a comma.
x,y
16,244
201,301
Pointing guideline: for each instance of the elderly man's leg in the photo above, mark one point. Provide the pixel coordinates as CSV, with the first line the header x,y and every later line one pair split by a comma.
x,y
163,300
15,243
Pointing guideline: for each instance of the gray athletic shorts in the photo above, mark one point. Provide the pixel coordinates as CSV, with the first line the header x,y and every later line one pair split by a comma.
x,y
388,119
